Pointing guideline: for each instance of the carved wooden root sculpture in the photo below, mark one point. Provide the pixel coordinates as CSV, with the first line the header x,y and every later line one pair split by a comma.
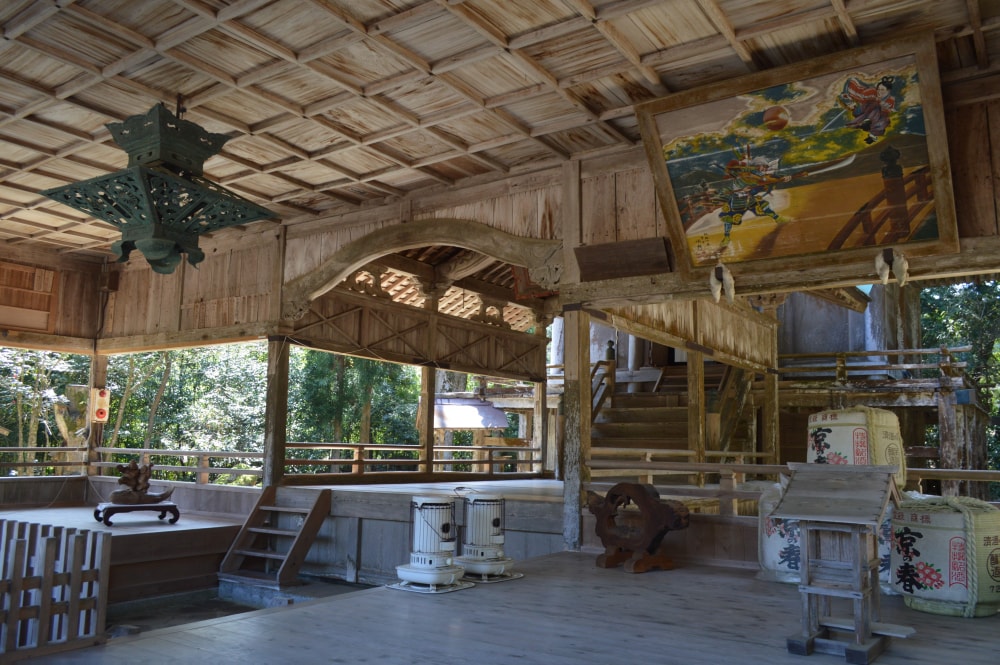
x,y
635,536
137,479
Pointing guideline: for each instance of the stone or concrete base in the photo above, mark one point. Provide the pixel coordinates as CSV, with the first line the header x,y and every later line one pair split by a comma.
x,y
263,597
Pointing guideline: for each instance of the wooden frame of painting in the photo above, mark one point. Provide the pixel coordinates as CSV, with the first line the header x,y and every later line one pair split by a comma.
x,y
829,160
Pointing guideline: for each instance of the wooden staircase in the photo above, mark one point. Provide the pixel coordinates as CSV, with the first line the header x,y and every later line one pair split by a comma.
x,y
653,426
639,427
273,543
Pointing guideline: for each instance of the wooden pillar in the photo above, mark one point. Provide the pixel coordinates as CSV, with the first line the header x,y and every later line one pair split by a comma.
x,y
98,379
428,381
540,405
696,403
912,422
576,430
276,410
769,425
633,361
949,448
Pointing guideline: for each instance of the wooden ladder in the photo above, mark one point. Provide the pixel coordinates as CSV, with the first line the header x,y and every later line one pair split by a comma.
x,y
274,541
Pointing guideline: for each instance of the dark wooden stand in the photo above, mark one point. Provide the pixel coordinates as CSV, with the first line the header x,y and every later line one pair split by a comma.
x,y
104,511
634,537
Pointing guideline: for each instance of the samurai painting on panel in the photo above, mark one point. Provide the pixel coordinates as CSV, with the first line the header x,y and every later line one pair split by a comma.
x,y
824,160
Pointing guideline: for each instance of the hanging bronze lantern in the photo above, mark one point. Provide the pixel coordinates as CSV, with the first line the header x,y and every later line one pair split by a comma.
x,y
161,202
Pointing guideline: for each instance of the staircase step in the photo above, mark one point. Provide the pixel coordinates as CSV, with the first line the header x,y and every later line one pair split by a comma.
x,y
312,506
675,443
252,578
272,532
645,430
644,400
261,554
286,509
664,414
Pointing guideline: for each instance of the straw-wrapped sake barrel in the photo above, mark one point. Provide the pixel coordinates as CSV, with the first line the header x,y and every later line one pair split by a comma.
x,y
859,435
946,556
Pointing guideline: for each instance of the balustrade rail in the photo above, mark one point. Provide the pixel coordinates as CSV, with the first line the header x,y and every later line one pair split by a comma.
x,y
899,364
53,588
350,459
731,487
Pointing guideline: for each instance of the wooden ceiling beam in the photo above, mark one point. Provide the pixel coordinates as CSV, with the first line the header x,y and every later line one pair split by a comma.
x,y
531,67
613,35
978,39
846,22
713,12
404,19
784,22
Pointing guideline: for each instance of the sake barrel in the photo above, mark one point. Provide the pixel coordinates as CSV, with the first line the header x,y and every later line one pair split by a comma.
x,y
946,556
858,435
778,551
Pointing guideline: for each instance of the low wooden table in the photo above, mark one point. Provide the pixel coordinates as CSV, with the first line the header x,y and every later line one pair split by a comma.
x,y
104,511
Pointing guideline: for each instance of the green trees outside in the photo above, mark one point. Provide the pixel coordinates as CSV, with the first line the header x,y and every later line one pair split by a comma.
x,y
38,406
969,314
213,398
344,399
208,398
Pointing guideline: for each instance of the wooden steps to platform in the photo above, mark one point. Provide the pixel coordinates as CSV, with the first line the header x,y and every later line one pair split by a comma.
x,y
639,427
272,545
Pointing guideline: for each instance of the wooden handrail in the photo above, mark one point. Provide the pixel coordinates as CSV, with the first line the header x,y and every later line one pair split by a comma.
x,y
881,352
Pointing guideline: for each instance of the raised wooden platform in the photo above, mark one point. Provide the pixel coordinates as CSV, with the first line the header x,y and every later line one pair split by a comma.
x,y
149,556
564,611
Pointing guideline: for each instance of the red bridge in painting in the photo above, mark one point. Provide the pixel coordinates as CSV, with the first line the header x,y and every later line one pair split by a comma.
x,y
890,215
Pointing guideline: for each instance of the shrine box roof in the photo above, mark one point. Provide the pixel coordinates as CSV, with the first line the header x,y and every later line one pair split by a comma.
x,y
845,494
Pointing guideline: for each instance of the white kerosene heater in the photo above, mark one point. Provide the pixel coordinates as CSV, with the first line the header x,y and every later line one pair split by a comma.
x,y
432,567
482,556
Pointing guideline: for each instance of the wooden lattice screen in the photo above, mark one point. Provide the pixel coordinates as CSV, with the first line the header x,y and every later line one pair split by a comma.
x,y
53,588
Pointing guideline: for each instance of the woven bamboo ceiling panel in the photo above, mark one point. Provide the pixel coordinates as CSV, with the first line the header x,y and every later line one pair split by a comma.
x,y
336,104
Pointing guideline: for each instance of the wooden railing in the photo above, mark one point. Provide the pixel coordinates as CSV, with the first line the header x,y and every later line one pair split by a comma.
x,y
733,397
730,477
359,458
53,588
853,364
63,458
201,461
348,459
602,385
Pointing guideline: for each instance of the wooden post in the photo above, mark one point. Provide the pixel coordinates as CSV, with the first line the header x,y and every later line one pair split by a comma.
x,y
633,361
950,453
276,410
912,422
425,420
203,465
428,381
98,379
540,406
576,411
770,418
696,404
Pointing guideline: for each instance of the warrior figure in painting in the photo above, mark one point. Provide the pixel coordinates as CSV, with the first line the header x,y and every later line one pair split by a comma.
x,y
870,105
754,178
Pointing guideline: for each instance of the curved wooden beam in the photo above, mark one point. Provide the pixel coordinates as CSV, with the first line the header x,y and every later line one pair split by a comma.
x,y
542,258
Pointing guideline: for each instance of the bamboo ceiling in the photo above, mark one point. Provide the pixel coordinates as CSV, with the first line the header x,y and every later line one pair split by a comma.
x,y
337,104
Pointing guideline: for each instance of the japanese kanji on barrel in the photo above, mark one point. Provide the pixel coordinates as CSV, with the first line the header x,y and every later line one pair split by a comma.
x,y
946,556
859,435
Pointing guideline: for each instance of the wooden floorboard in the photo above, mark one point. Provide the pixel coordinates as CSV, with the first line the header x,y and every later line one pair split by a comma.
x,y
564,611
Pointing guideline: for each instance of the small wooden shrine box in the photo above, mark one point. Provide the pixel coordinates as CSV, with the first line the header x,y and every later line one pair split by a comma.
x,y
840,509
